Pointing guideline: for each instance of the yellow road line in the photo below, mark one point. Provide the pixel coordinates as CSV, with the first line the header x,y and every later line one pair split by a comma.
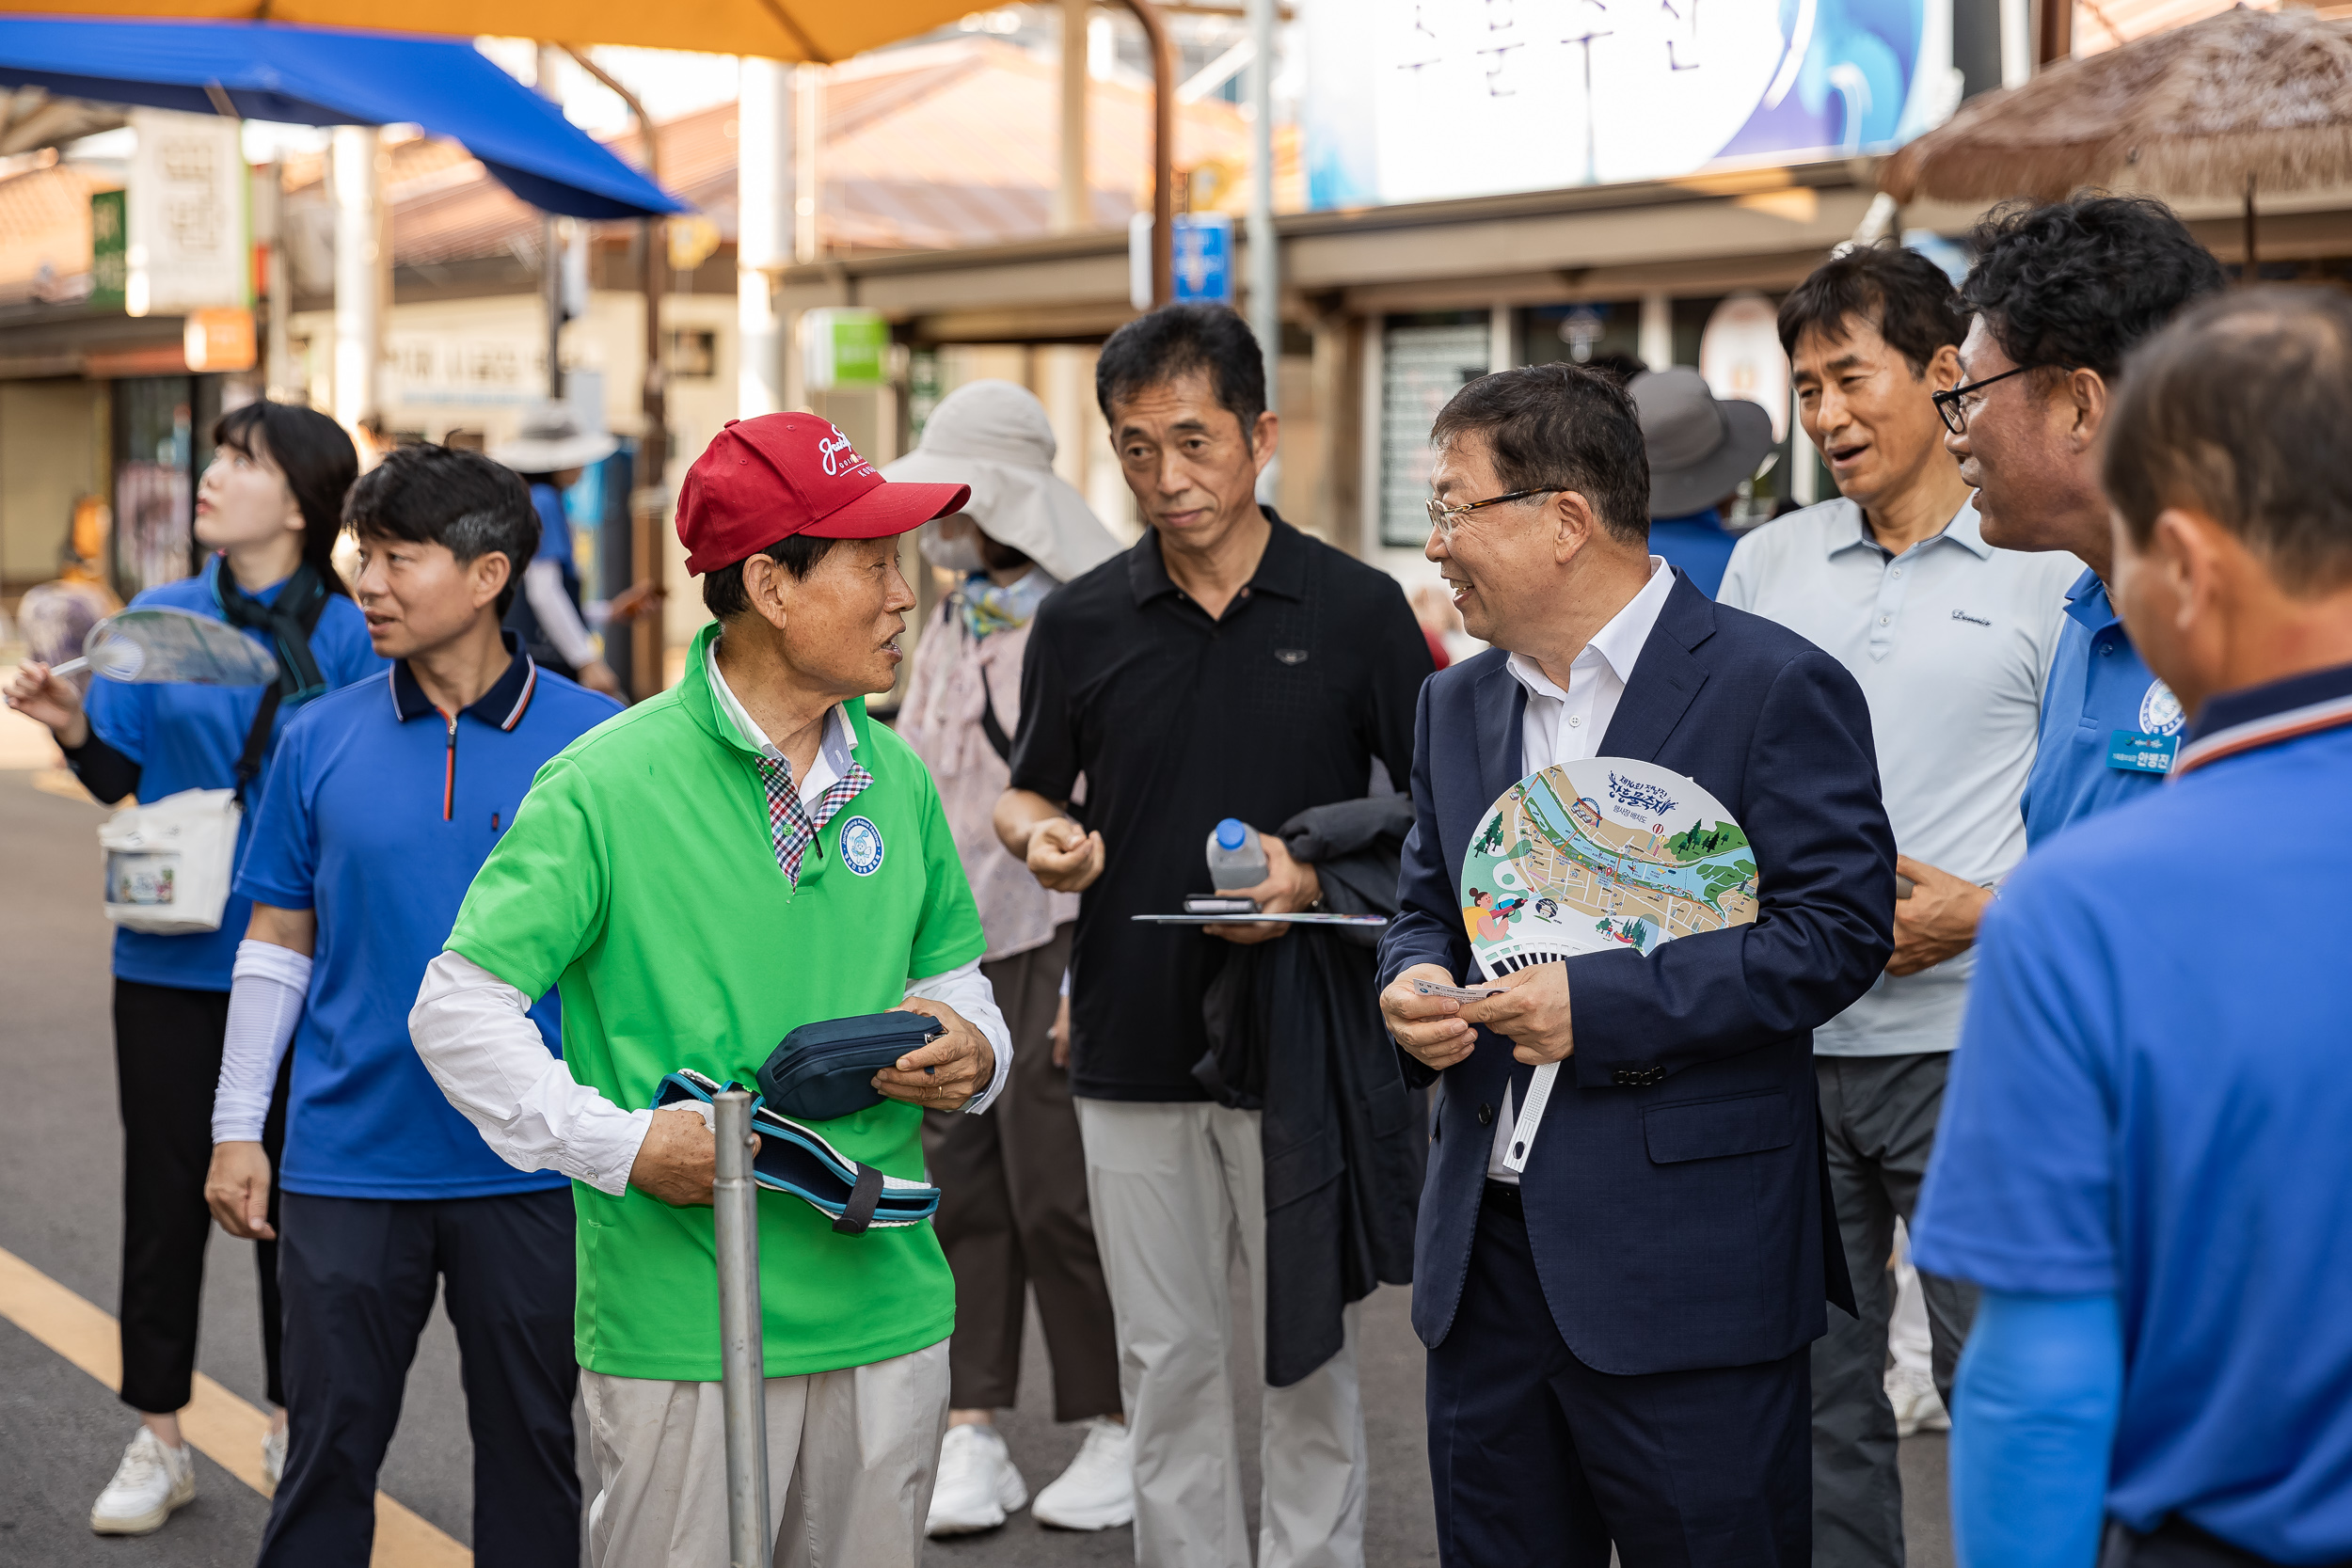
x,y
222,1427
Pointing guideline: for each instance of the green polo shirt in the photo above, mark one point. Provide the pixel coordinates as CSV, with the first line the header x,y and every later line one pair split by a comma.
x,y
640,879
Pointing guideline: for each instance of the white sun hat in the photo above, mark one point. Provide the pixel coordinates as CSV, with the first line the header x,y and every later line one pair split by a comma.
x,y
994,437
552,439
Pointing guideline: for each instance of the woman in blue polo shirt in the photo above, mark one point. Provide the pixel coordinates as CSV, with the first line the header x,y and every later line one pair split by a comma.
x,y
269,506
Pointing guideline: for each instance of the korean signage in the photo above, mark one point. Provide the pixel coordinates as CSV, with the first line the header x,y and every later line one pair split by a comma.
x,y
107,270
185,245
466,368
1421,100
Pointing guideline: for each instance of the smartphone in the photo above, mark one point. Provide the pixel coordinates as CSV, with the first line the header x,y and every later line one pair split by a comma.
x,y
1218,903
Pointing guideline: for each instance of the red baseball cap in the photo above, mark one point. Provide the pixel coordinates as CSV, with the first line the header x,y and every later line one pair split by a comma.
x,y
766,479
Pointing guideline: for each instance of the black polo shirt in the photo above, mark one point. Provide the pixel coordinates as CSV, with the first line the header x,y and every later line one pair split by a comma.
x,y
1177,721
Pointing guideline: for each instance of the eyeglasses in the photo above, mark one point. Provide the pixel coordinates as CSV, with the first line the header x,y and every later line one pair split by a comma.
x,y
1953,407
1444,517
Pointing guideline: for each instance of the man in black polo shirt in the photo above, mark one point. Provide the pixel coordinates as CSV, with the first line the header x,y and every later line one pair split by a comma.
x,y
1228,665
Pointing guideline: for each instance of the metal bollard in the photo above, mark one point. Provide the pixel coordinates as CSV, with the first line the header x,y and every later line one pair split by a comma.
x,y
735,1202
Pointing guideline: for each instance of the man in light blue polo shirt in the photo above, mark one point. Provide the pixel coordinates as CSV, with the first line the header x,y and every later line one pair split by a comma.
x,y
2144,1161
2060,294
1948,639
385,799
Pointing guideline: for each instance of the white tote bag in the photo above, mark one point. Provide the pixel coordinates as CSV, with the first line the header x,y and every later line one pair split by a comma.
x,y
168,863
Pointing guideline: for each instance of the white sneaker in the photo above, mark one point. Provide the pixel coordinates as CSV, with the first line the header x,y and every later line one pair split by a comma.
x,y
151,1481
1098,1491
274,1455
977,1484
1917,1407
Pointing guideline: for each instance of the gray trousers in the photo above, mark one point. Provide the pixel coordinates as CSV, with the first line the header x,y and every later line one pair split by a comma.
x,y
1178,1190
1879,1114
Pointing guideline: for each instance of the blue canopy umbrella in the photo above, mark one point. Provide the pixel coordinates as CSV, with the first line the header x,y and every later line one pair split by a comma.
x,y
333,77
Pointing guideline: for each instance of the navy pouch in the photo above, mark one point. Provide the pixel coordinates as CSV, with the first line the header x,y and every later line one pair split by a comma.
x,y
826,1069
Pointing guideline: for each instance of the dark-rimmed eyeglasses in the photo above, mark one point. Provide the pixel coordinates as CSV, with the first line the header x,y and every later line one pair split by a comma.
x,y
1954,412
1444,517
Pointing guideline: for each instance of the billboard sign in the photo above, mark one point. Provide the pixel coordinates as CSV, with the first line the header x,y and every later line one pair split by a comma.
x,y
1424,100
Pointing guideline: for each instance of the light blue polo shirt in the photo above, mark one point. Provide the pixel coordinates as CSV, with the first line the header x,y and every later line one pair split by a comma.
x,y
2152,1101
190,738
380,810
2108,727
1949,641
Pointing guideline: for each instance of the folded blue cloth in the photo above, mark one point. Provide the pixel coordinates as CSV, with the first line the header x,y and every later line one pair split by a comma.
x,y
796,1160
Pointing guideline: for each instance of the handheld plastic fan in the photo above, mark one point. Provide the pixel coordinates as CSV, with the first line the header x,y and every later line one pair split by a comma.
x,y
1588,855
148,647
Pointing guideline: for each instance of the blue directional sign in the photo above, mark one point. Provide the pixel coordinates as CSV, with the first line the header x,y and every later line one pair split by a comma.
x,y
1204,258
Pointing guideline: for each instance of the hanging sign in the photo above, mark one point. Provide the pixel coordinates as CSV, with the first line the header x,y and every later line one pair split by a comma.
x,y
185,231
220,338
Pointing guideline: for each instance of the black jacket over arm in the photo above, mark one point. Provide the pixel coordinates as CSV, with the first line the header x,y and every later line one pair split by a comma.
x,y
1676,1222
1295,1030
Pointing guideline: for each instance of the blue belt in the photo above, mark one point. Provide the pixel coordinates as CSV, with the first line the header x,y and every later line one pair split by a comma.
x,y
796,1160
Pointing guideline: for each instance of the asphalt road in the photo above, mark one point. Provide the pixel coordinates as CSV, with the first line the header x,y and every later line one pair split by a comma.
x,y
60,1431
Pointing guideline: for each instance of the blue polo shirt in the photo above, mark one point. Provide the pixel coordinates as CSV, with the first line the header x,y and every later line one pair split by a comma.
x,y
379,810
190,738
1696,542
2151,1100
2108,727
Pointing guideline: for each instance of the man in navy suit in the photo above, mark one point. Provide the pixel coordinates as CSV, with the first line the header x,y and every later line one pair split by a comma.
x,y
1617,1340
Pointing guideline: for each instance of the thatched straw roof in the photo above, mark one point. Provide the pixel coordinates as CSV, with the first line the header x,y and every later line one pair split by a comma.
x,y
2197,111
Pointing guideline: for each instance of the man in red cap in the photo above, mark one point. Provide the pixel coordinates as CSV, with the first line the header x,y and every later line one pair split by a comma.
x,y
738,856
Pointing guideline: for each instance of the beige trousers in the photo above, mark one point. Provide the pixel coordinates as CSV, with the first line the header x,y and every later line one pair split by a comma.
x,y
851,1455
1178,1191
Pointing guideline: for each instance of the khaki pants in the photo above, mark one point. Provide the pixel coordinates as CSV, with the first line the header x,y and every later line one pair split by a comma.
x,y
851,1455
1178,1190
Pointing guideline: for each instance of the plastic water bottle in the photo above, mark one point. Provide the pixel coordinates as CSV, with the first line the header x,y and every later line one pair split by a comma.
x,y
1236,859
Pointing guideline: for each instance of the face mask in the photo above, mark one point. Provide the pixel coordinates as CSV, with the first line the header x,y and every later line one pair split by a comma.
x,y
960,554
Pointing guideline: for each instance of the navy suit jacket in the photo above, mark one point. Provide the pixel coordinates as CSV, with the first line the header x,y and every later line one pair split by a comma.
x,y
1675,1198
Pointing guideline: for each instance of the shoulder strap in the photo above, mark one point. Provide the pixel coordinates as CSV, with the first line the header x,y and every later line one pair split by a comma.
x,y
991,727
266,717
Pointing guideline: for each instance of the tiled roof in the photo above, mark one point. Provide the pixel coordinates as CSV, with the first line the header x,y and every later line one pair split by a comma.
x,y
939,145
44,222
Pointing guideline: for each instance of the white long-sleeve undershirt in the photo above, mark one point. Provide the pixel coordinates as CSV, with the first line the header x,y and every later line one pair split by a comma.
x,y
476,1036
559,618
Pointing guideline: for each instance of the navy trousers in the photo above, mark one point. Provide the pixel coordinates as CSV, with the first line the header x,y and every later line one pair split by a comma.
x,y
357,1276
1538,1458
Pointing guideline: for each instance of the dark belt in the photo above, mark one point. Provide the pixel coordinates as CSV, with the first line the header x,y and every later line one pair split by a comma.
x,y
1503,1197
2175,1544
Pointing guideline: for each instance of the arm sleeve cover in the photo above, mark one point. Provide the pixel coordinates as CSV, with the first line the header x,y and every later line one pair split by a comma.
x,y
559,618
2033,1422
106,772
266,990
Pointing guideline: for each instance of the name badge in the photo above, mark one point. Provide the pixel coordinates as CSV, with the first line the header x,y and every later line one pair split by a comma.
x,y
2137,752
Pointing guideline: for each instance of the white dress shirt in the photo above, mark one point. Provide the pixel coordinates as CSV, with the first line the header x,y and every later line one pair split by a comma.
x,y
1566,726
476,1036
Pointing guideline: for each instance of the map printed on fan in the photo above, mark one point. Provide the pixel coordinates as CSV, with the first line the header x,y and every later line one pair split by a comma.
x,y
1588,855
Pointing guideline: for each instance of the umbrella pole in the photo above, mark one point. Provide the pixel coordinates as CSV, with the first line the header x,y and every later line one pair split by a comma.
x,y
2249,274
742,1378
